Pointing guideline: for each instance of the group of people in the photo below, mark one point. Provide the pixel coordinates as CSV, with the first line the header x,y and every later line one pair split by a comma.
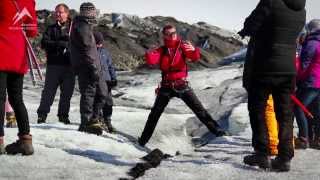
x,y
282,78
75,49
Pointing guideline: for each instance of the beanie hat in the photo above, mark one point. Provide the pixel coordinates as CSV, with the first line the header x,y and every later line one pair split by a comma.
x,y
88,10
313,26
98,37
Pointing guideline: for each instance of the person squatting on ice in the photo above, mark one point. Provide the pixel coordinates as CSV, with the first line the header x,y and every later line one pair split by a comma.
x,y
13,66
110,77
273,27
172,59
308,86
59,72
87,66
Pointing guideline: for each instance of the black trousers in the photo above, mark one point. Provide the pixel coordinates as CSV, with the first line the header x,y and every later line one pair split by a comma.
x,y
108,106
187,95
93,95
13,84
104,110
57,76
281,87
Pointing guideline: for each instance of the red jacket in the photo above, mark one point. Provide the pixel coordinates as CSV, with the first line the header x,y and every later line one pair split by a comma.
x,y
12,42
172,69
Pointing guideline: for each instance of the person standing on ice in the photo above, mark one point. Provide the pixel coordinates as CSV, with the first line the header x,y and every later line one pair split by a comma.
x,y
308,87
110,77
273,27
59,72
13,66
87,66
172,59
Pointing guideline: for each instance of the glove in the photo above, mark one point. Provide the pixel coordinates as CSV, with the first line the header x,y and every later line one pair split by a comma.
x,y
64,38
63,44
95,76
112,83
242,33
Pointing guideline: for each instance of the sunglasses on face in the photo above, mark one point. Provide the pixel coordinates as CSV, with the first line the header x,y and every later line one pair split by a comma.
x,y
170,33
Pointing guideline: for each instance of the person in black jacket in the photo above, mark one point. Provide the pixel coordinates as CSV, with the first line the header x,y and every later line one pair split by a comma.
x,y
270,69
59,73
86,64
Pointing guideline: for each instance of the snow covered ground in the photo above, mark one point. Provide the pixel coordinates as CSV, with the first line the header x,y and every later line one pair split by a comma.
x,y
64,153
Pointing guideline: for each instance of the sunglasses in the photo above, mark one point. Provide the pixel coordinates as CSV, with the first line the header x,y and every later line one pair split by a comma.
x,y
170,33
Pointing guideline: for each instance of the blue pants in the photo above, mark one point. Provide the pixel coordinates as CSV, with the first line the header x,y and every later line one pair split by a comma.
x,y
306,96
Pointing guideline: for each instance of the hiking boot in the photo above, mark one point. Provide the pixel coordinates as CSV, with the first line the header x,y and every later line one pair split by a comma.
x,y
2,149
11,120
260,160
301,143
315,144
108,127
82,127
42,119
64,119
94,126
23,145
280,165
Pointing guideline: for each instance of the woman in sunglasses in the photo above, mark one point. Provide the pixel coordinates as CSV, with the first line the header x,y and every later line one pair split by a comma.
x,y
172,59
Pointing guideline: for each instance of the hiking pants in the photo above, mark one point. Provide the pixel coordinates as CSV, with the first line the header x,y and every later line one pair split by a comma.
x,y
57,76
13,84
281,87
187,95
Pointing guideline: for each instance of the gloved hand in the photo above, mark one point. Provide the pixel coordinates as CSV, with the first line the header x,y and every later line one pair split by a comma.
x,y
242,33
64,38
112,83
63,44
95,76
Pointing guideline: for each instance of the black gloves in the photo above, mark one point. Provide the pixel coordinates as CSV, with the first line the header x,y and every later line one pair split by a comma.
x,y
112,83
242,33
95,75
63,44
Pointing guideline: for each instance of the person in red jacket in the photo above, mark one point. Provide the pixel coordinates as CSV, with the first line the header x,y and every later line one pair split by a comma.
x,y
172,59
15,18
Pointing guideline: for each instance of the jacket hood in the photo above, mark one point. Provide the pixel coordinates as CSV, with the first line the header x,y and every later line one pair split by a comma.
x,y
296,5
314,36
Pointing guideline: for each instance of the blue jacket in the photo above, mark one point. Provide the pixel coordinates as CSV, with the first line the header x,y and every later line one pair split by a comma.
x,y
108,69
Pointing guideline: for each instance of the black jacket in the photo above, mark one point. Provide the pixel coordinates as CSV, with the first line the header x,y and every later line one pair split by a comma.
x,y
55,42
273,27
84,53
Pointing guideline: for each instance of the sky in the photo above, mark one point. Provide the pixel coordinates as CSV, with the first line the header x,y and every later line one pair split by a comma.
x,y
228,14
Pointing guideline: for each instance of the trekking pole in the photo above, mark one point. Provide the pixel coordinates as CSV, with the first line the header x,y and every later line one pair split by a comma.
x,y
299,103
33,56
31,68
